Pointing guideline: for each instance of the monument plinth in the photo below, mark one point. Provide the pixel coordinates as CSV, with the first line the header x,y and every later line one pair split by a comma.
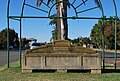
x,y
61,56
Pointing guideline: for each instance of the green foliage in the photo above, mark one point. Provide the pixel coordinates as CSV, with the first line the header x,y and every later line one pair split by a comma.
x,y
95,34
39,2
13,37
55,21
24,42
54,34
80,41
109,36
86,40
76,40
118,33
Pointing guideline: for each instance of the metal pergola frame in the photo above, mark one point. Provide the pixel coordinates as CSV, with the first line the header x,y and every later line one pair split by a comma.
x,y
19,18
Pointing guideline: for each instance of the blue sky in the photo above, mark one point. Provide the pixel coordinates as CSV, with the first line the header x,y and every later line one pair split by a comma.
x,y
40,29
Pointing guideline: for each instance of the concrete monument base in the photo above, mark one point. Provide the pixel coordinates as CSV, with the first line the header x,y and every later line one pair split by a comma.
x,y
61,56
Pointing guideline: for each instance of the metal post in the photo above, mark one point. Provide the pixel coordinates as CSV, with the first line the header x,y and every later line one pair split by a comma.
x,y
115,54
103,51
20,48
27,17
20,44
8,34
8,43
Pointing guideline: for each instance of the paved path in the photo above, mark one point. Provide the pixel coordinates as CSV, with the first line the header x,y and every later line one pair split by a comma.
x,y
118,51
14,55
111,59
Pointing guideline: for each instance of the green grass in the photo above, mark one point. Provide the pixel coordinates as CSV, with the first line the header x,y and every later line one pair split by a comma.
x,y
14,74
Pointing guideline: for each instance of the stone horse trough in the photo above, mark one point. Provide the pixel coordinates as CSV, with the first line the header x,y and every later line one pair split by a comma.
x,y
61,56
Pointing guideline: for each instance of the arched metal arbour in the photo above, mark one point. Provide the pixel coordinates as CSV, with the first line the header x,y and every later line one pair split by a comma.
x,y
19,18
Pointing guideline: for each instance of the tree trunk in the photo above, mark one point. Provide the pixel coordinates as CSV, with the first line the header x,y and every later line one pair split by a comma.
x,y
65,21
62,26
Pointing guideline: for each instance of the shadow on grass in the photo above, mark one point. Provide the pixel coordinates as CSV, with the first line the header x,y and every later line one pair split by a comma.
x,y
44,71
79,71
68,71
110,70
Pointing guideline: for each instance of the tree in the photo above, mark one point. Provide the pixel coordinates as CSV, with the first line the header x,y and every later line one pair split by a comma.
x,y
86,41
24,42
61,24
12,37
118,33
54,35
54,31
109,36
76,40
95,34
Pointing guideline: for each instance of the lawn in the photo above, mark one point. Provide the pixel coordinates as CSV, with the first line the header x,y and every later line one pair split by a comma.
x,y
14,74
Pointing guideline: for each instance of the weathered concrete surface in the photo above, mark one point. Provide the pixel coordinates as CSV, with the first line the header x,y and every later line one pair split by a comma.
x,y
61,56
